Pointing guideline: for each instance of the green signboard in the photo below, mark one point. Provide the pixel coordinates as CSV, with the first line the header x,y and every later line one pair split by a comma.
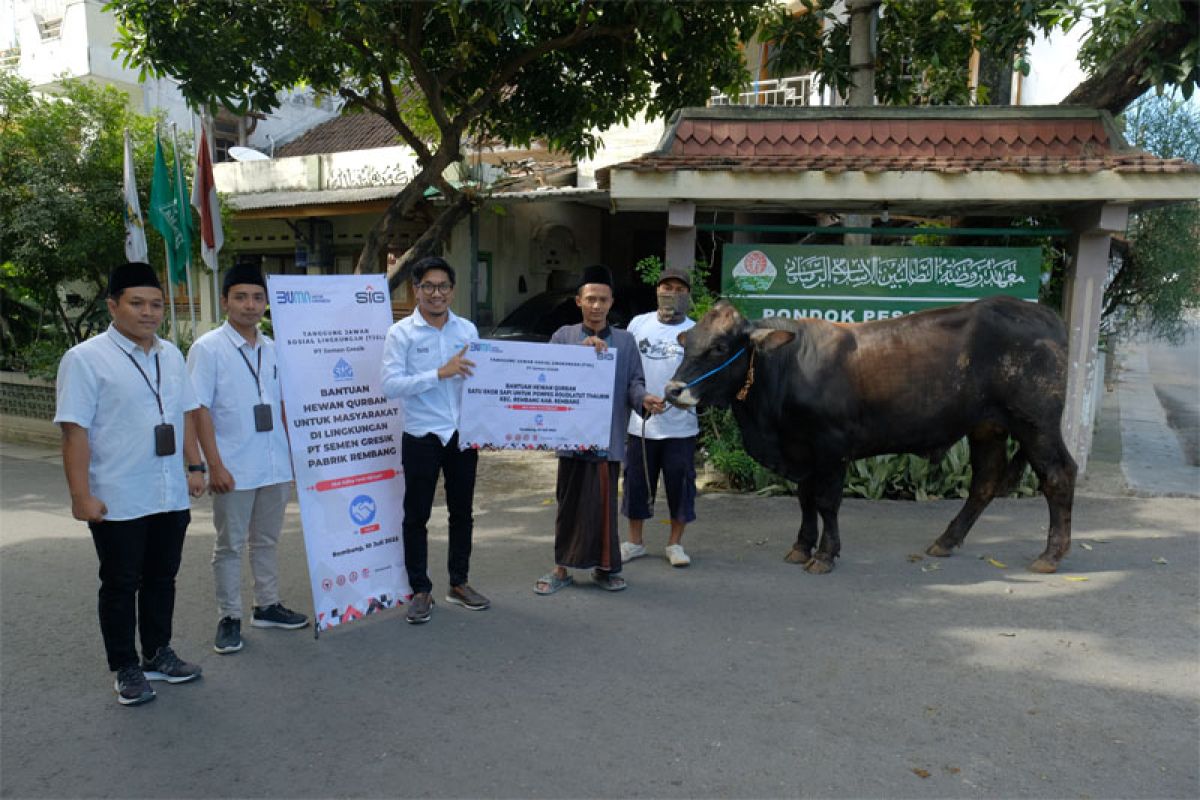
x,y
863,284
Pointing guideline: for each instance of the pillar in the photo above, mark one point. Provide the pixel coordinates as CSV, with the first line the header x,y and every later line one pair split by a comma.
x,y
1083,298
681,235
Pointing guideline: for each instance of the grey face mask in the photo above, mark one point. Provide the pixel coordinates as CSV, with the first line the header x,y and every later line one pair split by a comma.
x,y
673,307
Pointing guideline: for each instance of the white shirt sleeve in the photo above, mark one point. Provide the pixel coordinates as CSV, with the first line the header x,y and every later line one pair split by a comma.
x,y
78,391
394,377
202,366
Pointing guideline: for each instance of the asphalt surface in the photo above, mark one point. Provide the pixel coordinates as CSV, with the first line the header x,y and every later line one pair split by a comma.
x,y
742,676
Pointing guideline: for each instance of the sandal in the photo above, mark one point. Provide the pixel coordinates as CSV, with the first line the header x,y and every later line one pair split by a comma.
x,y
609,582
551,583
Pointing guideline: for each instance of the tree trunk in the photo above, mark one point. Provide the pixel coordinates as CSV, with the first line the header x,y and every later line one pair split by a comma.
x,y
429,240
1121,79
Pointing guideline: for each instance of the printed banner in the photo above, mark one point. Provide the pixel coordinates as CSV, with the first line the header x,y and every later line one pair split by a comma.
x,y
345,435
531,396
862,284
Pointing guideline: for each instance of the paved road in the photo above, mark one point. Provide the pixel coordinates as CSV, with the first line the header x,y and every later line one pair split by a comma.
x,y
1159,402
739,677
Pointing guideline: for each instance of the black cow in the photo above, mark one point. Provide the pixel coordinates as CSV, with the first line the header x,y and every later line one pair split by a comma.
x,y
811,396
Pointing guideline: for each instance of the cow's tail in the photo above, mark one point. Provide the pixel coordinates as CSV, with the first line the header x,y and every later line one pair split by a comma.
x,y
1013,473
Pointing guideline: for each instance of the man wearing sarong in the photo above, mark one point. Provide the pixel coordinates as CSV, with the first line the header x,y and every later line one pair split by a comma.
x,y
585,528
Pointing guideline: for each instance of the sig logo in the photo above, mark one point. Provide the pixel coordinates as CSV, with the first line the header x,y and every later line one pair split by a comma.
x,y
370,295
342,371
362,509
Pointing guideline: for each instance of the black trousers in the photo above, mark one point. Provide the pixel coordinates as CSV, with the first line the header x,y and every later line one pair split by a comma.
x,y
424,457
138,562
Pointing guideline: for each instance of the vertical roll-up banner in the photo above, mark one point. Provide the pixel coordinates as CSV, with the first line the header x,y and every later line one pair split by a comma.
x,y
345,437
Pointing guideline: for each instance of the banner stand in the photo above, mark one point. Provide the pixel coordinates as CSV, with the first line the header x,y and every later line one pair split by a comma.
x,y
346,438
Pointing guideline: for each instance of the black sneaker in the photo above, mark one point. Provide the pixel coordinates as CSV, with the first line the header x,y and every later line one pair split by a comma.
x,y
166,666
229,636
463,595
277,616
132,688
420,608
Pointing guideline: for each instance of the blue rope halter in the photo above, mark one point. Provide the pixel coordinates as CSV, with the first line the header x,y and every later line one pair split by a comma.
x,y
712,372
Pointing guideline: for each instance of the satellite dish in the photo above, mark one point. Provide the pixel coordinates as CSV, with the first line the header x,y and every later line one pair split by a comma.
x,y
247,154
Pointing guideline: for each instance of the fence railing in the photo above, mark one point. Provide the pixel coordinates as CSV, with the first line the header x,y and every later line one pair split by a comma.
x,y
796,90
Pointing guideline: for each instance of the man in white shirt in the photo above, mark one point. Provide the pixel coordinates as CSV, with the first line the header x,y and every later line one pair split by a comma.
x,y
241,430
126,408
424,365
665,442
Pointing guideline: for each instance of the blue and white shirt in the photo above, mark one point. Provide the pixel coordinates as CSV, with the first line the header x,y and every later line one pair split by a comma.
x,y
100,390
412,354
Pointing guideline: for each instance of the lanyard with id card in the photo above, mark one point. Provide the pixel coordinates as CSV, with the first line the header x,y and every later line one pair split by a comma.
x,y
262,411
164,432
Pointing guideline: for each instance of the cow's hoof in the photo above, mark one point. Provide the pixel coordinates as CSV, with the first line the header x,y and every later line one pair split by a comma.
x,y
795,556
818,566
1043,566
937,550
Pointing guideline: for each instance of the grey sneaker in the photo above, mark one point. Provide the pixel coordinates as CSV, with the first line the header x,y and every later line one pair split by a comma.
x,y
277,616
463,595
166,666
229,636
420,608
132,688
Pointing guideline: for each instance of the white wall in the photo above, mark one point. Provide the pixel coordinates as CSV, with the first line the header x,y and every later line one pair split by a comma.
x,y
84,49
1053,68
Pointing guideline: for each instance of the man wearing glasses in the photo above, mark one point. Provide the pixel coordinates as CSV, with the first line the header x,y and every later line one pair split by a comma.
x,y
424,364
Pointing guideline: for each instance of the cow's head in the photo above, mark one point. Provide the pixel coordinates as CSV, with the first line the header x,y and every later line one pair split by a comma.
x,y
716,357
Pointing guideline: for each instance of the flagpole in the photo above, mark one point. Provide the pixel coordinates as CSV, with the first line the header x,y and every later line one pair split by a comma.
x,y
180,188
216,265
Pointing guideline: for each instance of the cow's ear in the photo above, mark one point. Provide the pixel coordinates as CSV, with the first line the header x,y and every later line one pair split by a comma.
x,y
767,339
680,338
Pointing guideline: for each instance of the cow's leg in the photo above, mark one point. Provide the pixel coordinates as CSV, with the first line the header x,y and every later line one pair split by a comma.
x,y
1050,459
988,467
827,490
806,538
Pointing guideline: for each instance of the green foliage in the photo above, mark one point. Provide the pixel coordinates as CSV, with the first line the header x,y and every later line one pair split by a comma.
x,y
909,477
554,71
1111,24
61,222
1155,280
924,47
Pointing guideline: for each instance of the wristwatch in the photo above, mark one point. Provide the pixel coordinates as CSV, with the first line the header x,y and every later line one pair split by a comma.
x,y
197,468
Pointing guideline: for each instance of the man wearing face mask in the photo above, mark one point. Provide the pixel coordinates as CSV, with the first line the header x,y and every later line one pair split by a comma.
x,y
665,443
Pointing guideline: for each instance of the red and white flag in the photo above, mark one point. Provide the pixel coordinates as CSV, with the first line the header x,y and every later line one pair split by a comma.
x,y
204,200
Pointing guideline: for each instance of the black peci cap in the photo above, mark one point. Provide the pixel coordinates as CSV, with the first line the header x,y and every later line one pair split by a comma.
x,y
130,275
242,273
597,273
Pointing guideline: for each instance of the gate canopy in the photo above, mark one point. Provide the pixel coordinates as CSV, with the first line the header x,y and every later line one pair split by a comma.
x,y
941,161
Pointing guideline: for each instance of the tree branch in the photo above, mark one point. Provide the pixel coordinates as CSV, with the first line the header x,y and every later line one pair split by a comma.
x,y
1122,78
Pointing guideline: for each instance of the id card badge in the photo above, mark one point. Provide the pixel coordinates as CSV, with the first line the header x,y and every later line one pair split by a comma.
x,y
262,418
164,439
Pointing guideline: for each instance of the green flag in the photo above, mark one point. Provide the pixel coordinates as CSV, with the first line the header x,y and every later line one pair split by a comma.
x,y
165,216
185,206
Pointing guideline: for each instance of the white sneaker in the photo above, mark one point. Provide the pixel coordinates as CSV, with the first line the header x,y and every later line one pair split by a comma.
x,y
630,551
676,556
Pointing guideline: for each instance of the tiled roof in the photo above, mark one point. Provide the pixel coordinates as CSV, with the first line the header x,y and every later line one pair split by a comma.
x,y
364,131
892,139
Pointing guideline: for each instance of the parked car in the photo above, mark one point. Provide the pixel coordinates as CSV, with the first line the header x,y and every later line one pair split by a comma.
x,y
540,316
